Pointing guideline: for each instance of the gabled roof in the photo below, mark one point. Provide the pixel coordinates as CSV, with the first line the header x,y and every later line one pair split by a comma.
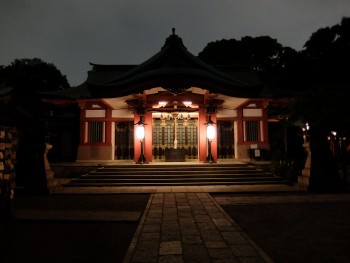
x,y
172,68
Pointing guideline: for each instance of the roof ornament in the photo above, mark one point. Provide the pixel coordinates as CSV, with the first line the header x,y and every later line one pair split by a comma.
x,y
173,29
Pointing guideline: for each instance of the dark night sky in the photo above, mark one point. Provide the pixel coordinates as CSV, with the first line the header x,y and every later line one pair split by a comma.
x,y
72,33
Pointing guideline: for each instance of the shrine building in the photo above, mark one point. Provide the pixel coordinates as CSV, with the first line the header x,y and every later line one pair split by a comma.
x,y
172,107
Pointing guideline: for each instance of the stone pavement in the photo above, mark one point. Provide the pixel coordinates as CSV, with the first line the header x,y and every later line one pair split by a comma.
x,y
190,227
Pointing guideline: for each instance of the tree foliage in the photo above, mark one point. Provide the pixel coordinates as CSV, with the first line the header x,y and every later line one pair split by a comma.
x,y
263,55
324,71
32,76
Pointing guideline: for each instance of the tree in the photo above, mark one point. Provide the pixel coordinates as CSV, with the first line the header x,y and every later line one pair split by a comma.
x,y
26,79
323,101
33,75
272,62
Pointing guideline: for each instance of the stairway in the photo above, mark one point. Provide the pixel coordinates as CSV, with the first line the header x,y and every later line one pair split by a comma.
x,y
176,175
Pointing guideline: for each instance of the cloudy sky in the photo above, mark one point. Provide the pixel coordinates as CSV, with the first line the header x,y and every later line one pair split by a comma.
x,y
72,33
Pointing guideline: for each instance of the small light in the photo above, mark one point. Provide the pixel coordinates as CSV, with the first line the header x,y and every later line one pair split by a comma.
x,y
187,103
162,103
210,132
140,132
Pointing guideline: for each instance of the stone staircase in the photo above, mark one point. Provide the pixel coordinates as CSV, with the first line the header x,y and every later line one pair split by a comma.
x,y
176,175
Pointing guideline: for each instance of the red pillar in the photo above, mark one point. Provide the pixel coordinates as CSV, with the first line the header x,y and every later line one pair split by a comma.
x,y
202,119
82,126
240,138
147,142
214,143
203,140
265,129
137,144
148,136
108,127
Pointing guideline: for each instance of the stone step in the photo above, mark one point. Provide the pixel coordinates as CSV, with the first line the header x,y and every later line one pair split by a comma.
x,y
167,175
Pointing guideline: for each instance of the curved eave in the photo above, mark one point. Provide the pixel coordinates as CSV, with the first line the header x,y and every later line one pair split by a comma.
x,y
80,92
178,77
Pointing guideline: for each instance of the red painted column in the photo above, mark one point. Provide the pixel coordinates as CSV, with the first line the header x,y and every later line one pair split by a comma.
x,y
137,144
147,142
148,136
108,127
202,130
214,143
265,126
240,138
82,126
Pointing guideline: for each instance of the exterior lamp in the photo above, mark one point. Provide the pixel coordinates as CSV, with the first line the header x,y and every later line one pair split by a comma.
x,y
210,135
140,135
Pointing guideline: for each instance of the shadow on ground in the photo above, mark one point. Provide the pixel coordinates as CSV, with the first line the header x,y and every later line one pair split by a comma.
x,y
300,232
69,241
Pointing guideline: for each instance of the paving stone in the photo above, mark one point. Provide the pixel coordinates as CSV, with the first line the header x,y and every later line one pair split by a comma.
x,y
220,253
170,248
170,236
192,240
148,245
187,221
152,220
234,238
244,250
215,215
226,260
150,236
151,228
195,253
211,235
155,212
144,257
171,259
251,260
189,230
222,222
169,218
170,225
202,218
182,203
169,210
228,229
213,209
216,244
207,225
180,207
184,213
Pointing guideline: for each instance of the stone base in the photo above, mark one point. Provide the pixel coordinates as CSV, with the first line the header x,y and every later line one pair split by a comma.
x,y
303,181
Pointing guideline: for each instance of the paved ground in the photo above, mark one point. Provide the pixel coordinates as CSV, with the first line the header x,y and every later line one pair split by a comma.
x,y
70,228
293,228
190,227
179,224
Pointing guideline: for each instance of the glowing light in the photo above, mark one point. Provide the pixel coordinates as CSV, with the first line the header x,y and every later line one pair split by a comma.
x,y
210,132
140,132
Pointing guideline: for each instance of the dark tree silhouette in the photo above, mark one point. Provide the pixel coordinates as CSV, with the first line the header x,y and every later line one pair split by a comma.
x,y
24,80
271,61
323,100
33,75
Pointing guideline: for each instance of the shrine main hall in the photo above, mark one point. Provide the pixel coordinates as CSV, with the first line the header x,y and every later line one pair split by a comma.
x,y
172,107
